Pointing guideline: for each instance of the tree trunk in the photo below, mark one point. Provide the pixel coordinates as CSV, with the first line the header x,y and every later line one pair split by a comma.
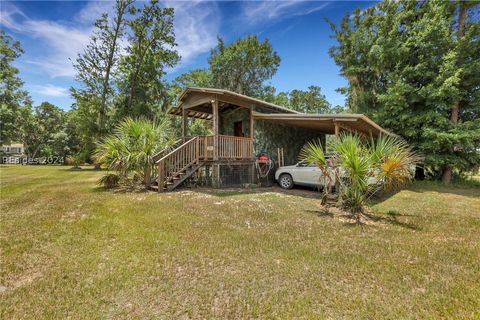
x,y
121,8
447,175
462,17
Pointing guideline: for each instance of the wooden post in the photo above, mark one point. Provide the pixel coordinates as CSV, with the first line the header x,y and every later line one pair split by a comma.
x,y
251,124
148,178
215,129
216,175
337,130
184,124
197,150
161,177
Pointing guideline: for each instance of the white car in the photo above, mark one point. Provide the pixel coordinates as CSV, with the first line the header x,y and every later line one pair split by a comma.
x,y
299,174
305,174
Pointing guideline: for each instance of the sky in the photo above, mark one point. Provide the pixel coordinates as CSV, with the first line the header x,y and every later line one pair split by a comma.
x,y
52,33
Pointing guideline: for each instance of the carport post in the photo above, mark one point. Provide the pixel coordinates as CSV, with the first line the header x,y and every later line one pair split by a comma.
x,y
184,124
337,129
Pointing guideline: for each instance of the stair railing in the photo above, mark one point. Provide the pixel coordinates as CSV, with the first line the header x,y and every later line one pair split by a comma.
x,y
177,161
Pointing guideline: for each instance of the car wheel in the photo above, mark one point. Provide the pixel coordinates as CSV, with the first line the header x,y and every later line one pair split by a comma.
x,y
286,181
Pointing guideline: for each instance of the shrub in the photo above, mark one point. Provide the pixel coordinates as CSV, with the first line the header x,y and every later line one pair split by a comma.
x,y
110,180
76,160
130,149
364,168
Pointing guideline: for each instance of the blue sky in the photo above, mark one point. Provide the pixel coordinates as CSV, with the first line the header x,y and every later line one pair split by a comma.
x,y
52,33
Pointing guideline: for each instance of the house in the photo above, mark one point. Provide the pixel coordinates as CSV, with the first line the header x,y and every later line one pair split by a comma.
x,y
243,127
14,149
12,153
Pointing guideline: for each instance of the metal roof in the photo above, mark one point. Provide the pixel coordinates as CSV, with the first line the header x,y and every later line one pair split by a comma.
x,y
325,122
197,103
225,95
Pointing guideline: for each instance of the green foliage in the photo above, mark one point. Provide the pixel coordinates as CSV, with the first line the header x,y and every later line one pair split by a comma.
x,y
306,101
149,53
47,131
362,169
130,149
76,159
408,65
98,65
117,83
243,66
14,101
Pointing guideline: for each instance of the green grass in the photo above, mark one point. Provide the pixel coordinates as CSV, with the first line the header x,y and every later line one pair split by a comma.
x,y
70,249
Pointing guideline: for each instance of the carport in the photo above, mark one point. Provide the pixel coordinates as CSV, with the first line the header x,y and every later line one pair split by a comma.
x,y
326,123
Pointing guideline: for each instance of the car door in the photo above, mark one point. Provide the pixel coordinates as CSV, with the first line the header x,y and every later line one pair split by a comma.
x,y
306,174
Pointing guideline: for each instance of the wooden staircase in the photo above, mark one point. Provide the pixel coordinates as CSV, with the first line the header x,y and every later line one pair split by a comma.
x,y
177,165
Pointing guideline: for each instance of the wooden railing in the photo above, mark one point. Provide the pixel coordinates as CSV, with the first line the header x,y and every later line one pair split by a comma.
x,y
225,147
167,150
177,161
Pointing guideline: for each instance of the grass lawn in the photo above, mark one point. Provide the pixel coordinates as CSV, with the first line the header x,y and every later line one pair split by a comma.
x,y
70,249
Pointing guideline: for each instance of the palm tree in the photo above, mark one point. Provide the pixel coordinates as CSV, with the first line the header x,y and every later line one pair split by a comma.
x,y
130,149
364,168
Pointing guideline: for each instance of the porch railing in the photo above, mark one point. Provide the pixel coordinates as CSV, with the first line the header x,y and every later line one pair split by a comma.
x,y
223,147
177,161
187,154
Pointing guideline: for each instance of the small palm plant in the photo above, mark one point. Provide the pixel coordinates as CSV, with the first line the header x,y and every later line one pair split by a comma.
x,y
130,149
312,153
365,168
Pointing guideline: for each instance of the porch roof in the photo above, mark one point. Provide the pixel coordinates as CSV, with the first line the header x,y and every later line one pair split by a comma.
x,y
197,102
326,123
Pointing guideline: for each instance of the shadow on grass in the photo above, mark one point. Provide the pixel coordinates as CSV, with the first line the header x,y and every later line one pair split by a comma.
x,y
72,169
322,213
121,190
470,189
228,192
391,217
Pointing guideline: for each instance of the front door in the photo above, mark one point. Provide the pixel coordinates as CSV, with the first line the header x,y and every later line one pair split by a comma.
x,y
237,129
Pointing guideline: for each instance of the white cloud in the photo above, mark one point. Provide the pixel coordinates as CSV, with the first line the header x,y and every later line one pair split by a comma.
x,y
62,42
196,26
93,10
256,12
50,90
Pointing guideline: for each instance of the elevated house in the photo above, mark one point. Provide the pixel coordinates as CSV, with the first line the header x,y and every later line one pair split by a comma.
x,y
243,127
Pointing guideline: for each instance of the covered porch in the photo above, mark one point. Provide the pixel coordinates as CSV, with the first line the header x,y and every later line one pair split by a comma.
x,y
232,123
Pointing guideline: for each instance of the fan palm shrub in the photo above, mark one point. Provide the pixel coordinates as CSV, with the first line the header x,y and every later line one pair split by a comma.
x,y
364,168
312,153
130,149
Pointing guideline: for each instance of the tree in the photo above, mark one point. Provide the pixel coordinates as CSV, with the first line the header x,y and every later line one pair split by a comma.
x,y
13,100
96,65
408,68
306,101
311,101
43,133
130,149
149,53
244,65
460,71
